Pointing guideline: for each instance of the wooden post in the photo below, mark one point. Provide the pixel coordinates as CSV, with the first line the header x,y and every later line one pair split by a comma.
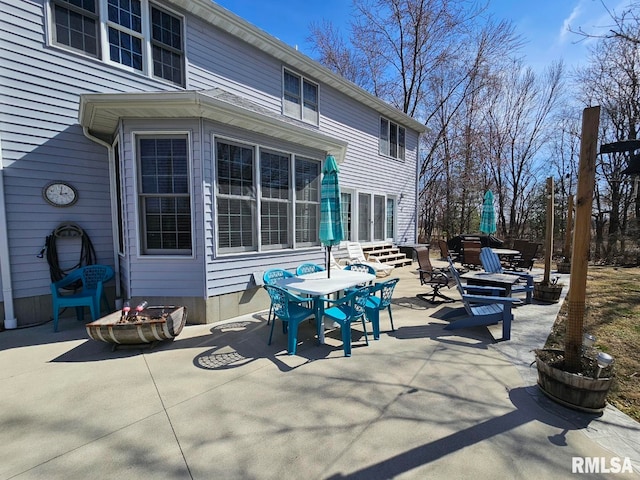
x,y
581,238
548,244
566,252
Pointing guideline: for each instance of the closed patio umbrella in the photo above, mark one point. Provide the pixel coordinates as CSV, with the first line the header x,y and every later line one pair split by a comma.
x,y
488,216
331,231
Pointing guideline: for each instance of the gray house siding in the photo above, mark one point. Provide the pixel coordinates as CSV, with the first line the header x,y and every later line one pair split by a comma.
x,y
40,88
151,275
233,272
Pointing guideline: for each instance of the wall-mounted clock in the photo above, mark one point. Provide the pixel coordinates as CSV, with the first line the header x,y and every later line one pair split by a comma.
x,y
60,194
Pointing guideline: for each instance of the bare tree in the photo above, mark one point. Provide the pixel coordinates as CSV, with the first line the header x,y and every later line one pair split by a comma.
x,y
517,117
612,80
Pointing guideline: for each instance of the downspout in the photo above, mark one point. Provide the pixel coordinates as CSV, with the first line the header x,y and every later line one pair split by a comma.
x,y
10,321
114,233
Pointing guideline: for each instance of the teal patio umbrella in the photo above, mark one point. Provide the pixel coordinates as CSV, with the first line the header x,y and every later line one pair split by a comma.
x,y
488,215
331,231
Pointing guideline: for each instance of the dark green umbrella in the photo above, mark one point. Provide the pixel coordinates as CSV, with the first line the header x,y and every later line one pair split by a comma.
x,y
331,231
488,216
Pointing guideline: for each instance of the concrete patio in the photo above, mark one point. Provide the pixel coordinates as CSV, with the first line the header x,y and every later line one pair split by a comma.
x,y
219,403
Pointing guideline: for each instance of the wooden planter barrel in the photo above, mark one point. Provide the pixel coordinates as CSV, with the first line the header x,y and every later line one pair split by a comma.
x,y
564,267
153,325
572,390
547,293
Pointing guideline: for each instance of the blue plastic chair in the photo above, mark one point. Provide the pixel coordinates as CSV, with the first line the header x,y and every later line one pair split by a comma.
x,y
377,303
269,278
345,311
91,293
308,268
290,309
359,267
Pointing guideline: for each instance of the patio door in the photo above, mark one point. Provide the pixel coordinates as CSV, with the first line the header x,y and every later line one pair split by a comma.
x,y
379,220
347,214
364,217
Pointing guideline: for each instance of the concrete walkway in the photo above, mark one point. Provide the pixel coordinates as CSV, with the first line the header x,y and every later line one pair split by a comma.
x,y
219,403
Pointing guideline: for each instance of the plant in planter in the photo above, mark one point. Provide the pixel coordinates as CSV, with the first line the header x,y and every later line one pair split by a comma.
x,y
548,291
568,375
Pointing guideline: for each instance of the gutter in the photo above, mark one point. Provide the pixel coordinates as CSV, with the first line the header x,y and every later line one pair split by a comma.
x,y
114,233
10,321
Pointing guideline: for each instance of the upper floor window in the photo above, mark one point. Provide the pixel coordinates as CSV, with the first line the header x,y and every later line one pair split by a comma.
x,y
392,139
77,25
300,97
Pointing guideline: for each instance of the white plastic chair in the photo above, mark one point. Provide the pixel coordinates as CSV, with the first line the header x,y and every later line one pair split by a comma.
x,y
356,255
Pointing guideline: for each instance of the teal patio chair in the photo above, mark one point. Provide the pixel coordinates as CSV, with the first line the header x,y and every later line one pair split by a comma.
x,y
491,263
290,309
375,304
90,294
347,310
308,268
269,278
360,267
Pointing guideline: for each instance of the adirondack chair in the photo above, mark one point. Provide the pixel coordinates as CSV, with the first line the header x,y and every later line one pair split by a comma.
x,y
491,263
482,310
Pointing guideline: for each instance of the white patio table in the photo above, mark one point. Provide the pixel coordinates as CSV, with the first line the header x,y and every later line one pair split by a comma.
x,y
318,286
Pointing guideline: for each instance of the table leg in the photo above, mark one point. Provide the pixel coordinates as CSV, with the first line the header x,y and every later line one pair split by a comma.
x,y
319,307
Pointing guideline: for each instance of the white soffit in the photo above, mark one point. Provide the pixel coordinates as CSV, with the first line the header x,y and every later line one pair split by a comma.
x,y
101,112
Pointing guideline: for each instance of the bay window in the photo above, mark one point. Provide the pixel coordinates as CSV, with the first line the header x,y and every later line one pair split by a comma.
x,y
261,205
164,198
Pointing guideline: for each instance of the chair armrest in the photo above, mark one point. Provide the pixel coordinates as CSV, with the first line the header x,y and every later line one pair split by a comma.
x,y
483,288
372,258
434,272
490,299
72,277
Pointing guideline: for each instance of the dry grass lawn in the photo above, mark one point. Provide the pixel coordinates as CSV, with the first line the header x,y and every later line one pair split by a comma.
x,y
613,316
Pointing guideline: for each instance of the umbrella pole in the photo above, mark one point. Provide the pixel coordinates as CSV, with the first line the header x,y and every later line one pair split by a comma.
x,y
329,261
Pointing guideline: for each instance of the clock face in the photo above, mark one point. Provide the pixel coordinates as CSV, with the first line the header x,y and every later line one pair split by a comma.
x,y
60,194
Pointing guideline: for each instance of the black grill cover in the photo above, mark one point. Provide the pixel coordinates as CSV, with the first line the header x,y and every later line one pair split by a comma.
x,y
455,243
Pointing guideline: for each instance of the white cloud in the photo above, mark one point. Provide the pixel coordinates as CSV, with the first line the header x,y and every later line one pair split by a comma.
x,y
567,23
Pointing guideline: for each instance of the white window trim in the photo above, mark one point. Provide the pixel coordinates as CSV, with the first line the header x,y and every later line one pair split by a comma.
x,y
134,152
303,79
103,40
388,152
258,197
355,221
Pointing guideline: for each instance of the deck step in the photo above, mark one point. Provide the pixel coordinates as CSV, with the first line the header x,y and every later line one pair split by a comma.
x,y
387,253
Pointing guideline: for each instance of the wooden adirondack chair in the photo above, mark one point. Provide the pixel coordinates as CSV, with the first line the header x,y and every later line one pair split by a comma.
x,y
491,263
482,310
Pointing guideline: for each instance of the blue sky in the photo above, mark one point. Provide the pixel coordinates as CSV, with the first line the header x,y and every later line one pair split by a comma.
x,y
542,23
